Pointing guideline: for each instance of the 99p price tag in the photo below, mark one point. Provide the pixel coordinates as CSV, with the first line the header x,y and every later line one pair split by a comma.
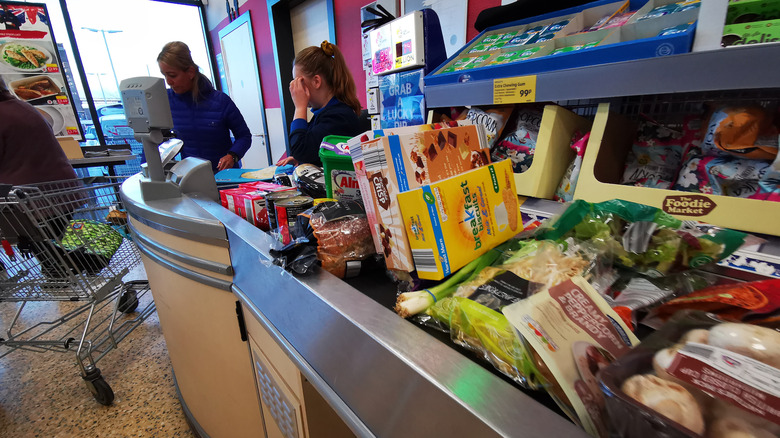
x,y
519,89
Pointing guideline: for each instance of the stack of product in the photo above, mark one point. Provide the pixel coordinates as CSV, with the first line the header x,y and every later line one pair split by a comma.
x,y
732,151
752,22
591,27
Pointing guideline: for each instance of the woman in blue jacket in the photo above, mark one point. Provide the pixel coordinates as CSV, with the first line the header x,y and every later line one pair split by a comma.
x,y
203,117
322,81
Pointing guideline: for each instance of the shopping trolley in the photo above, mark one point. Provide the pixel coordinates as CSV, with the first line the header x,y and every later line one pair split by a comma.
x,y
67,241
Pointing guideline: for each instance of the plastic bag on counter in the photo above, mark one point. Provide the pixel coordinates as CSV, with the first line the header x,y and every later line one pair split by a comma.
x,y
643,238
344,243
299,258
540,264
754,302
696,376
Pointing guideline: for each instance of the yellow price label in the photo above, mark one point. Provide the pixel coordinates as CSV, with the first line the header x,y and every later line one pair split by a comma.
x,y
520,89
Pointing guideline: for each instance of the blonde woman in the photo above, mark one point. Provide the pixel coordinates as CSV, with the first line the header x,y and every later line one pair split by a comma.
x,y
203,117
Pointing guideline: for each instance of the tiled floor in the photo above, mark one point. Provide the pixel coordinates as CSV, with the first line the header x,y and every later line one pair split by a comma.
x,y
43,395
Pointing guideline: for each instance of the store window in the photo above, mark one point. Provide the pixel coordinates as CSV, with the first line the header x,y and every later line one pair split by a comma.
x,y
118,40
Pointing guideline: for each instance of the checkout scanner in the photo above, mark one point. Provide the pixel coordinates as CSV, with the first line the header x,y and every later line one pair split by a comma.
x,y
148,113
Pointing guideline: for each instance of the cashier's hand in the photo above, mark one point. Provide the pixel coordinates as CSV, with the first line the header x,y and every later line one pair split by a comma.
x,y
285,161
226,162
299,93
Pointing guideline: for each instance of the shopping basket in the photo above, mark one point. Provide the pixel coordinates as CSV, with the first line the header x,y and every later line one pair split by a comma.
x,y
67,241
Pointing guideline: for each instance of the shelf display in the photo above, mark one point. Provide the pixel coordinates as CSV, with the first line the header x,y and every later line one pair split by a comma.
x,y
31,69
611,138
654,28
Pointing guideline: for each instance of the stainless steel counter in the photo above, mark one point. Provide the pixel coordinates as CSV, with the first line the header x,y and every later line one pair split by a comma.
x,y
382,374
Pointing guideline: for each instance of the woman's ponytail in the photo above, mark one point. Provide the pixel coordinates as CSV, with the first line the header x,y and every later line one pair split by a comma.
x,y
328,62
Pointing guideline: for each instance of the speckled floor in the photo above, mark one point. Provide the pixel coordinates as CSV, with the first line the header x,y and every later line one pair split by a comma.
x,y
43,395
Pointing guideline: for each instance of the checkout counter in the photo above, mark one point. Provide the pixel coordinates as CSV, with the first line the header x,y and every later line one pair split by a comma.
x,y
312,356
258,352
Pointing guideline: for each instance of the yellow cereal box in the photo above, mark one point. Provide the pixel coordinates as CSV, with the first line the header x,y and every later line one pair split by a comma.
x,y
454,221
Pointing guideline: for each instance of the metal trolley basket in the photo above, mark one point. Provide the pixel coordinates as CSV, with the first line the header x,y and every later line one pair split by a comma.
x,y
67,241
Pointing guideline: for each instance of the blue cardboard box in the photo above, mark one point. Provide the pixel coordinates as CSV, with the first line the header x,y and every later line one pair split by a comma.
x,y
401,99
637,39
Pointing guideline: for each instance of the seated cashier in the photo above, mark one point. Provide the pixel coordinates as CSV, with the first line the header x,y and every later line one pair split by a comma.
x,y
322,81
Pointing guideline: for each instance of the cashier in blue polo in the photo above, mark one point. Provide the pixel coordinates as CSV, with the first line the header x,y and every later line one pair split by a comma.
x,y
203,117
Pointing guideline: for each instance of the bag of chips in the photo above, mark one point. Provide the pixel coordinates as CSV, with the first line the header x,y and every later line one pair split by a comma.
x,y
519,144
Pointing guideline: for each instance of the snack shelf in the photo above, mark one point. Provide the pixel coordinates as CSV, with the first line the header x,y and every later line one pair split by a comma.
x,y
763,260
746,67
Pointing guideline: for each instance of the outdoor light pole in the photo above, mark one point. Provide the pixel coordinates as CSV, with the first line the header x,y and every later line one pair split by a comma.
x,y
105,42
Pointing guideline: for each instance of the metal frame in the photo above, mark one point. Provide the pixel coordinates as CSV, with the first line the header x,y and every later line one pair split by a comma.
x,y
245,19
284,52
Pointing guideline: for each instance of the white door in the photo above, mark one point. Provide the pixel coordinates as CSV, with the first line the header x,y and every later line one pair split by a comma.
x,y
243,78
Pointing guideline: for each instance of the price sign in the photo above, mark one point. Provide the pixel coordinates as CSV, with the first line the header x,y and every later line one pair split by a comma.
x,y
73,131
519,89
63,100
52,68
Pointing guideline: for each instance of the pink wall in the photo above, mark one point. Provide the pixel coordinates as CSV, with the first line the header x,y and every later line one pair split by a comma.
x,y
347,14
261,30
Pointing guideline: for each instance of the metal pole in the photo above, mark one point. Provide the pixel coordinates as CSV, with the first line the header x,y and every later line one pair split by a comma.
x,y
111,62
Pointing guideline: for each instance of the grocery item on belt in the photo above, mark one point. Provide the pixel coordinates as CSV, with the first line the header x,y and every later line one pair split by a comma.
x,y
343,235
286,212
576,334
655,156
398,163
696,376
642,238
451,222
518,142
271,199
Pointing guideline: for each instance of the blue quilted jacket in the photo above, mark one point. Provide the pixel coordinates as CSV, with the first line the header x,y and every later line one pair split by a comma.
x,y
205,126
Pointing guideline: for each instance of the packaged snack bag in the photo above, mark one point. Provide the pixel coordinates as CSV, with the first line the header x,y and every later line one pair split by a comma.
x,y
655,157
744,132
519,143
565,191
493,119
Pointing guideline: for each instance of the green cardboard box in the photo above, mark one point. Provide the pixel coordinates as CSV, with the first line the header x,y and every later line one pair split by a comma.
x,y
746,11
758,32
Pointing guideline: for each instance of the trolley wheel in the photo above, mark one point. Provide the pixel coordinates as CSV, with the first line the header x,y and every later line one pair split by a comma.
x,y
128,302
97,386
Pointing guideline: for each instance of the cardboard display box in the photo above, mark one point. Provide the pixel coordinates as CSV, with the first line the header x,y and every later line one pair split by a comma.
x,y
602,167
634,40
553,152
71,147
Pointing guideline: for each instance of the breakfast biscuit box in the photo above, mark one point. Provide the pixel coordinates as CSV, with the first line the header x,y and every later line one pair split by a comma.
x,y
395,164
451,222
